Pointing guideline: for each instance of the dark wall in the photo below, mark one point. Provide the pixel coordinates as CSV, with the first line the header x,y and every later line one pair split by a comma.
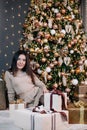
x,y
12,16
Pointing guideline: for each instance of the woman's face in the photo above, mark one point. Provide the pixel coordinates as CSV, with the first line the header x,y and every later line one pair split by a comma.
x,y
21,61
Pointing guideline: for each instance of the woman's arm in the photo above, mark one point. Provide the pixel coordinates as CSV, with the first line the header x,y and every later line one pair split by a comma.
x,y
39,83
10,90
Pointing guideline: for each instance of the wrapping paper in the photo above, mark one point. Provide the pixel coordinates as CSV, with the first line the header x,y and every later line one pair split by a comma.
x,y
81,92
42,122
13,107
78,115
28,120
56,101
59,122
16,106
23,119
82,89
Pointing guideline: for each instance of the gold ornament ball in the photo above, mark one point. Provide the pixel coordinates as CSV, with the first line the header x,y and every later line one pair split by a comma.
x,y
70,19
55,26
37,65
51,65
83,71
31,50
69,45
45,40
55,62
49,77
62,35
45,24
39,51
47,36
80,41
43,59
76,11
58,15
67,17
77,70
72,71
63,11
47,54
56,54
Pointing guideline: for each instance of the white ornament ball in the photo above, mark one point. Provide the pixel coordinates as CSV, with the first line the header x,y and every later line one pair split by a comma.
x,y
39,71
52,32
48,69
63,31
67,90
74,81
71,51
56,10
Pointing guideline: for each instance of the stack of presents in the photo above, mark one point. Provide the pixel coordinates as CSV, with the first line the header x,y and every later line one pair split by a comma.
x,y
78,110
55,114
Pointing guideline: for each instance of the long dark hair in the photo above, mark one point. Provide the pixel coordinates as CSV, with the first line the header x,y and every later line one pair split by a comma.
x,y
27,68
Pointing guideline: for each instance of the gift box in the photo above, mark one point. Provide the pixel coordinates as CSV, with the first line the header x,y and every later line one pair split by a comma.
x,y
82,97
77,115
56,101
42,121
81,89
22,119
15,105
29,120
81,92
60,122
18,104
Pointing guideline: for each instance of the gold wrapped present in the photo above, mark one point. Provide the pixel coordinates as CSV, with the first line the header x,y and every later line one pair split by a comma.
x,y
81,93
77,113
82,97
81,89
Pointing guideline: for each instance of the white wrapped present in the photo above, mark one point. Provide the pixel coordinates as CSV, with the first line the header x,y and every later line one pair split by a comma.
x,y
60,122
42,121
13,107
55,102
16,106
28,120
23,119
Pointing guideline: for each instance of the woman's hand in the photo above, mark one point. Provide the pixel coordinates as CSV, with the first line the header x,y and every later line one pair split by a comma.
x,y
45,90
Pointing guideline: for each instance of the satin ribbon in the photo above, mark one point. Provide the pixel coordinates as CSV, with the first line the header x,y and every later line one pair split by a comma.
x,y
58,92
81,115
53,111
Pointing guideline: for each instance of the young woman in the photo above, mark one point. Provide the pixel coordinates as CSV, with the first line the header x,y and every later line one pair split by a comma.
x,y
21,80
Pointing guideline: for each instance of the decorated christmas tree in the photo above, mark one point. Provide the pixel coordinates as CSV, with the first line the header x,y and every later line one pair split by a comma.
x,y
53,33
